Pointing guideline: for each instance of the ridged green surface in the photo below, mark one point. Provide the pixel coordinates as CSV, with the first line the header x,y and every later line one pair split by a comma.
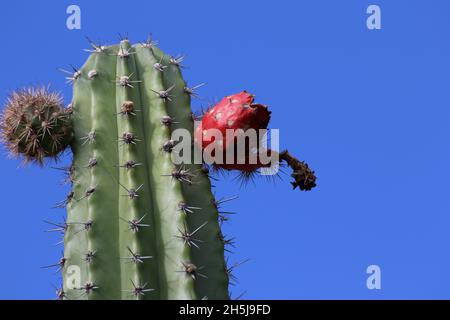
x,y
96,104
211,254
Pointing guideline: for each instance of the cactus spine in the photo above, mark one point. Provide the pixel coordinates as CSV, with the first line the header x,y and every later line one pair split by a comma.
x,y
130,229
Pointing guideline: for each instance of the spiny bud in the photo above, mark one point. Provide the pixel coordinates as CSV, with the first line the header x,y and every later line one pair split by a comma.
x,y
127,108
35,124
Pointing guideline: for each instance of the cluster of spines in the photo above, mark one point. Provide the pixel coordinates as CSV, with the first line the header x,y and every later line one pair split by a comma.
x,y
35,124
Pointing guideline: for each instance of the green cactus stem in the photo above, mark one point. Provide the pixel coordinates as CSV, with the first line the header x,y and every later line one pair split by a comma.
x,y
138,226
129,194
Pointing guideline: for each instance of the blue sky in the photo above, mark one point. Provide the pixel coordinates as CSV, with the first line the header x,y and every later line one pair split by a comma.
x,y
368,109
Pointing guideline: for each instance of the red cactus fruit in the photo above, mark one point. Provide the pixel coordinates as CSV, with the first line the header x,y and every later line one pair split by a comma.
x,y
236,112
233,112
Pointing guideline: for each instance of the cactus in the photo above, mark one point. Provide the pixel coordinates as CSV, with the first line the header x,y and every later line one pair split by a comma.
x,y
138,226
